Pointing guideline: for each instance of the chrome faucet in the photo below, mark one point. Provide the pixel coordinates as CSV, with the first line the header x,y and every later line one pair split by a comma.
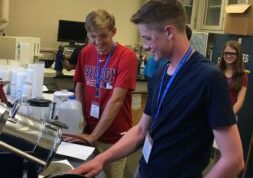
x,y
15,108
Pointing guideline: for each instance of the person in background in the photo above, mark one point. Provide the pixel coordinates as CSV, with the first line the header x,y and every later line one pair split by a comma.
x,y
58,61
69,63
105,77
187,107
231,64
152,66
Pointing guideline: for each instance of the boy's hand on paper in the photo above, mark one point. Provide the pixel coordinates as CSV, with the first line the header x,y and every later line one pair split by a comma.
x,y
88,169
85,138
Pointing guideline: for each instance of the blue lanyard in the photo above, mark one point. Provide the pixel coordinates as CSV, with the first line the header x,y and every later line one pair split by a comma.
x,y
99,77
160,97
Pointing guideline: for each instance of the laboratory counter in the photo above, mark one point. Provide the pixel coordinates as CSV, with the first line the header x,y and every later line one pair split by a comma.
x,y
139,95
66,81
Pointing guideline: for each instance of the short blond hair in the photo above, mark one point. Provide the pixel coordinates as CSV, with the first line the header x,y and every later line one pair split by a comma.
x,y
98,19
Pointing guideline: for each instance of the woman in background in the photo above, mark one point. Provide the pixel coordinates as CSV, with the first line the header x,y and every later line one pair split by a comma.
x,y
231,64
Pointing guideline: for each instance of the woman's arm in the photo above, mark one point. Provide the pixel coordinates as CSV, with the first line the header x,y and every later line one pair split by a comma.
x,y
240,100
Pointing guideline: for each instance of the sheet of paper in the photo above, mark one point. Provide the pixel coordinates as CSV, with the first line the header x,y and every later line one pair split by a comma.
x,y
136,101
75,150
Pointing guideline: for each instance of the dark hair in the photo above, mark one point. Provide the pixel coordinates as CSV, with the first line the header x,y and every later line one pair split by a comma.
x,y
238,67
157,14
188,32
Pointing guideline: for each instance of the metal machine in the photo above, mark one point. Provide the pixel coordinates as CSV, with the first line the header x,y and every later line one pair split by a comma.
x,y
27,137
34,139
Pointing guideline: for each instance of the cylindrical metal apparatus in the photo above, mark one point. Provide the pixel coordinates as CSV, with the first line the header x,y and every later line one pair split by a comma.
x,y
23,134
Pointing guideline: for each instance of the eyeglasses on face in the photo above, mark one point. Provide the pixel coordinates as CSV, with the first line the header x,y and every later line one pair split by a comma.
x,y
224,53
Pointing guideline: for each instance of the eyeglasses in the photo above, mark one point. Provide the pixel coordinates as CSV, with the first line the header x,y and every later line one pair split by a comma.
x,y
229,53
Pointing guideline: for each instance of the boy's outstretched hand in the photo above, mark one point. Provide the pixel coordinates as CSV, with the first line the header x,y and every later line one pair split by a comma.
x,y
88,169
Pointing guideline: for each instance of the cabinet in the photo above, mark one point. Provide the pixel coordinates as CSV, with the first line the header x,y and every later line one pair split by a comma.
x,y
207,15
237,1
22,49
211,16
191,7
138,105
139,97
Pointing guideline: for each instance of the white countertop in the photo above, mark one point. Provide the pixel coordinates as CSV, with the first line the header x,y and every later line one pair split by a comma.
x,y
49,72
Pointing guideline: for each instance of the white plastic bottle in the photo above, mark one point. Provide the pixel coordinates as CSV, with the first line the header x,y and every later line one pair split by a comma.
x,y
70,113
142,66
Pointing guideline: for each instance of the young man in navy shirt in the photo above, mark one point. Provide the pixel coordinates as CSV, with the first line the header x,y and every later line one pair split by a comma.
x,y
187,107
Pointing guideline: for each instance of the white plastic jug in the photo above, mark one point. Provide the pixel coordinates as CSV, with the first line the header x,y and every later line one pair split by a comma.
x,y
70,113
59,98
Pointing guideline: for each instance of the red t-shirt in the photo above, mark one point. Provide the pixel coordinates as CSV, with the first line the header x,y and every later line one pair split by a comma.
x,y
233,94
120,72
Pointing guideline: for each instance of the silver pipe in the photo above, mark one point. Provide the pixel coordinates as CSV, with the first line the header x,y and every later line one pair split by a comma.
x,y
22,153
15,108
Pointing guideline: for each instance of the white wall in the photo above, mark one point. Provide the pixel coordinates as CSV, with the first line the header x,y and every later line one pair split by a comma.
x,y
39,18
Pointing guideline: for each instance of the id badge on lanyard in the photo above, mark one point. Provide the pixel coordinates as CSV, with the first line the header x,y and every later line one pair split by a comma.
x,y
95,105
147,148
95,109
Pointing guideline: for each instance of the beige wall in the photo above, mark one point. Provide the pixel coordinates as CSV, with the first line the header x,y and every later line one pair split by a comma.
x,y
39,18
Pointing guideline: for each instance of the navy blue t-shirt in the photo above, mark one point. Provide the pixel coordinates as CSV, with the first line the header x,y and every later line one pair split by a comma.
x,y
197,102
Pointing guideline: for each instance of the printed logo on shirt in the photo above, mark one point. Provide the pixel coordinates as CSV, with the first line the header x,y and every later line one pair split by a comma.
x,y
107,80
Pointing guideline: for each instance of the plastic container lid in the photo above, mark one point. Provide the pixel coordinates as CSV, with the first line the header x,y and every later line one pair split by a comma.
x,y
39,102
63,93
72,97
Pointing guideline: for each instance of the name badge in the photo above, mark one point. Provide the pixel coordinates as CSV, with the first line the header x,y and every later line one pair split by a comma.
x,y
94,111
148,144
